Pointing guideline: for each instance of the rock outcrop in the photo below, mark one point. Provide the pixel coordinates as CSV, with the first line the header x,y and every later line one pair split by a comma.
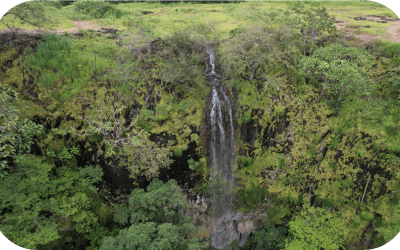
x,y
238,226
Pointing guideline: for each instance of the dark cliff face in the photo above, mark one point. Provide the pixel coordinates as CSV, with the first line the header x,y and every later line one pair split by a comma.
x,y
118,176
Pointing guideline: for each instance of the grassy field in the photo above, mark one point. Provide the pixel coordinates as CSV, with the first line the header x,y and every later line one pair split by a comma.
x,y
167,18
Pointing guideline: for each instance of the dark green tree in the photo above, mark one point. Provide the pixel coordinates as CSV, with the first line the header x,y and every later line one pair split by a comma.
x,y
155,219
267,238
38,201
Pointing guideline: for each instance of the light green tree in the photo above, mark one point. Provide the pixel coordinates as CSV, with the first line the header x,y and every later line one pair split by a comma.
x,y
258,52
316,228
155,220
342,71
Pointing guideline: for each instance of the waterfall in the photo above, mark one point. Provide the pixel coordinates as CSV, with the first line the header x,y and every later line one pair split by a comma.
x,y
221,160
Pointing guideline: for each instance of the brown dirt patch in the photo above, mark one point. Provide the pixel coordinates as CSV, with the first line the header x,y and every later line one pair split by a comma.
x,y
393,30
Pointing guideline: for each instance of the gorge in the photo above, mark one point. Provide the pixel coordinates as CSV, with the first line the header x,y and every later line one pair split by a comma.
x,y
236,109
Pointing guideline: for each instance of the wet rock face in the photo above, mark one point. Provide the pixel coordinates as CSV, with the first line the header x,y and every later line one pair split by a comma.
x,y
227,228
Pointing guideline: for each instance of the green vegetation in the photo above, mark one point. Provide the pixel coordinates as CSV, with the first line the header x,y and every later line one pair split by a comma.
x,y
268,238
315,229
316,120
16,134
153,220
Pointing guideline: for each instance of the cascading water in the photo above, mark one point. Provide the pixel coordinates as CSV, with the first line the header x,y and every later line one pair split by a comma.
x,y
221,160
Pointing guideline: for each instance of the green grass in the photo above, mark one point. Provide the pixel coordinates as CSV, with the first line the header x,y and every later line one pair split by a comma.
x,y
68,64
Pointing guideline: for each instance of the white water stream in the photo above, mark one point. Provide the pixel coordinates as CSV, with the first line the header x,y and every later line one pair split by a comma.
x,y
221,159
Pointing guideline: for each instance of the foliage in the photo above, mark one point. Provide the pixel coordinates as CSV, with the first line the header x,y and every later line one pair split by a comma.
x,y
16,134
121,140
193,164
51,53
258,52
341,70
57,4
312,22
145,158
98,9
316,228
267,238
182,71
31,12
141,34
153,220
38,204
392,229
59,63
394,80
106,225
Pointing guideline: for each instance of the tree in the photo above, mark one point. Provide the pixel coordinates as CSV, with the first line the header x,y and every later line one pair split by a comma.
x,y
311,22
267,238
39,200
316,228
182,69
155,220
258,51
341,70
16,134
31,12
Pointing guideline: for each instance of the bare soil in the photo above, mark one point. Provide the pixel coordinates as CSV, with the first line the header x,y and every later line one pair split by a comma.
x,y
393,30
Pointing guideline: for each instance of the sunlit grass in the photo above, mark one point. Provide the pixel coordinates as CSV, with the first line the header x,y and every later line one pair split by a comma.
x,y
66,65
